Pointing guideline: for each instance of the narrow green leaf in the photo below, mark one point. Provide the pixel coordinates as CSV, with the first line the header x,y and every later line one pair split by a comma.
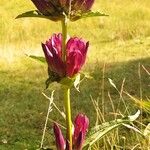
x,y
38,58
93,14
78,15
99,131
145,104
134,129
37,14
32,13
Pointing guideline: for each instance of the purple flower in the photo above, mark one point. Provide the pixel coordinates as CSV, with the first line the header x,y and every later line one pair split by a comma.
x,y
75,56
81,125
60,142
44,6
83,5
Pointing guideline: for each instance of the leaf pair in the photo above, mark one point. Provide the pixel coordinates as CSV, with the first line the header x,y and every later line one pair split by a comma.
x,y
37,14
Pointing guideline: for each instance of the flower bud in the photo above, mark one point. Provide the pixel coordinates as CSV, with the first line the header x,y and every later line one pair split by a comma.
x,y
60,142
81,126
76,55
76,50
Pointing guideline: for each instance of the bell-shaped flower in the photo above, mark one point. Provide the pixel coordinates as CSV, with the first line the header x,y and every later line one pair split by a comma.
x,y
76,50
81,125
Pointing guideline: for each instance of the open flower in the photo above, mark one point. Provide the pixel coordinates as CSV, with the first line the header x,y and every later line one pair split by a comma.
x,y
76,50
81,125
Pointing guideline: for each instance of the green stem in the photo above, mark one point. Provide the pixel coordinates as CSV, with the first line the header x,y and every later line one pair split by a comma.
x,y
66,90
64,38
68,116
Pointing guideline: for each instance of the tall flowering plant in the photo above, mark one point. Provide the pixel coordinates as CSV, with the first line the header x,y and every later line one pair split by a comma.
x,y
75,55
65,58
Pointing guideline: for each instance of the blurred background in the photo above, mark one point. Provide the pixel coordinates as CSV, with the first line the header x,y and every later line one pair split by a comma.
x,y
119,50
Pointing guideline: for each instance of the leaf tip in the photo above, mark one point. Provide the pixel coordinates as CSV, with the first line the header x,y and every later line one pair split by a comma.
x,y
135,116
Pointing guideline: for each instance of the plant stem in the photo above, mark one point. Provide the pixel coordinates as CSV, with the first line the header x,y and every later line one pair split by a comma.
x,y
64,37
68,116
65,88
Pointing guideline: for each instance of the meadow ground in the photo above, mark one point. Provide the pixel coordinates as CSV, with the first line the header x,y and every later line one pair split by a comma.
x,y
119,50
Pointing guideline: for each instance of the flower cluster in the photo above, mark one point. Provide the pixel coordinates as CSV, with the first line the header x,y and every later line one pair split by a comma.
x,y
76,50
65,58
81,124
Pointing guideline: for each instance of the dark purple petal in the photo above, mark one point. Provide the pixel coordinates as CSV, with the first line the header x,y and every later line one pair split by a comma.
x,y
56,42
88,5
44,6
84,52
79,142
81,125
68,146
48,56
60,142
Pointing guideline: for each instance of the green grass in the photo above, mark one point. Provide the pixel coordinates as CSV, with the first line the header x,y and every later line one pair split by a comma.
x,y
120,41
